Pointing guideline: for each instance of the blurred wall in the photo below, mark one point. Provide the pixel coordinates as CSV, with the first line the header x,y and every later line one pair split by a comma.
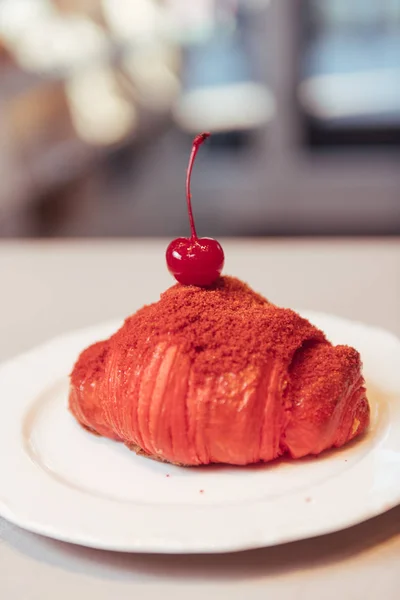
x,y
100,99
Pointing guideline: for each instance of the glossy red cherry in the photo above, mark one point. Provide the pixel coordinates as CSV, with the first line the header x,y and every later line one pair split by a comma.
x,y
194,260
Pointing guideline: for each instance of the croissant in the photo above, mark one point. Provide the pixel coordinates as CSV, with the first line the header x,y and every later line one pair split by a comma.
x,y
220,375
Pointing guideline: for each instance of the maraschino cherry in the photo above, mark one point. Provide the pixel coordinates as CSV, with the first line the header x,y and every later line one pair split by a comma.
x,y
194,260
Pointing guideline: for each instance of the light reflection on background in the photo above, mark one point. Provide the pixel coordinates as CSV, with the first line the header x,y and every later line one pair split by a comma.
x,y
99,99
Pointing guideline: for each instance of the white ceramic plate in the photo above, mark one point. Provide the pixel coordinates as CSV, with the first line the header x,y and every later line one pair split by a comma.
x,y
58,480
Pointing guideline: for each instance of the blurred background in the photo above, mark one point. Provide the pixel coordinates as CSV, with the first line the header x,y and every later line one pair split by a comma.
x,y
100,100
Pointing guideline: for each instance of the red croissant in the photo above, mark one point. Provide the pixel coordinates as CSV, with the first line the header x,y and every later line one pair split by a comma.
x,y
220,375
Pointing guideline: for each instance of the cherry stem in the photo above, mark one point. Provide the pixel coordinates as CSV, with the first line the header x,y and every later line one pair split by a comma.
x,y
198,140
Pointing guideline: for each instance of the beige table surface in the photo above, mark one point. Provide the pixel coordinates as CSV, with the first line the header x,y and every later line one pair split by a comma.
x,y
50,287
